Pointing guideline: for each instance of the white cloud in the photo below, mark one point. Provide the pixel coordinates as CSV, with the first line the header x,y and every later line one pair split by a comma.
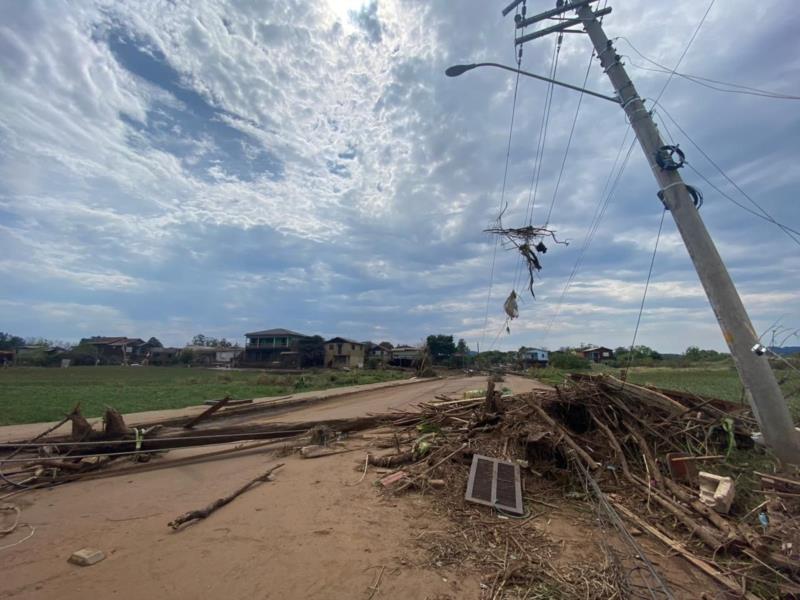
x,y
380,174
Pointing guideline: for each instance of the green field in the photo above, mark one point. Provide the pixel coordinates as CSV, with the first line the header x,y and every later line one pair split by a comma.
x,y
30,395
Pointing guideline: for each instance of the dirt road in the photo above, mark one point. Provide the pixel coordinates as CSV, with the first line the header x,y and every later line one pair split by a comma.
x,y
313,533
398,398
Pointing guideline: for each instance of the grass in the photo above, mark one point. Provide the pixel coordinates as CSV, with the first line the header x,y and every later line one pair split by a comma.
x,y
31,395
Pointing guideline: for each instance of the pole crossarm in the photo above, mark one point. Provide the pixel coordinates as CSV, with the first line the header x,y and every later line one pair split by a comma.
x,y
550,13
560,26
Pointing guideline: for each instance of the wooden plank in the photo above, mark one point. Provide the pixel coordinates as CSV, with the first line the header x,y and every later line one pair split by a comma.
x,y
207,412
648,396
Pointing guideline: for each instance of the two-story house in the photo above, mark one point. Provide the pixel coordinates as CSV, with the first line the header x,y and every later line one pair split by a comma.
x,y
341,352
272,347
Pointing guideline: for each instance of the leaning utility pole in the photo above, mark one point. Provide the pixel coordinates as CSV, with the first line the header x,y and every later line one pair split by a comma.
x,y
761,388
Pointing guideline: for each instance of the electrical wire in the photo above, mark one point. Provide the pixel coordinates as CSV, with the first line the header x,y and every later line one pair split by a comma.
x,y
538,156
706,81
644,295
569,141
604,199
503,204
685,50
792,233
616,521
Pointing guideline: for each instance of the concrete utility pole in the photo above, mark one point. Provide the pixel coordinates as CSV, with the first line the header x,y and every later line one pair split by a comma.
x,y
761,388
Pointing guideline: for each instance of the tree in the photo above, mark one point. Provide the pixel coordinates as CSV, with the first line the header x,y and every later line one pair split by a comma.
x,y
187,356
568,360
386,345
9,342
462,347
441,347
210,342
154,343
311,351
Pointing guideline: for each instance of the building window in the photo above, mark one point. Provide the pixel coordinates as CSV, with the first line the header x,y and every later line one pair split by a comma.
x,y
330,346
352,346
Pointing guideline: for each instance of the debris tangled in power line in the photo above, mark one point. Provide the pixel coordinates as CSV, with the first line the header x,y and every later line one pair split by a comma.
x,y
510,305
529,241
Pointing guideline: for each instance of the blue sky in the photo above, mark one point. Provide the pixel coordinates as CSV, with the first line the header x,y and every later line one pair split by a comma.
x,y
172,168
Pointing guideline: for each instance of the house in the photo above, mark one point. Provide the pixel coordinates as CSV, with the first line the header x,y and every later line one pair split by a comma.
x,y
383,354
117,350
597,354
535,357
6,357
341,352
273,347
405,356
212,356
164,356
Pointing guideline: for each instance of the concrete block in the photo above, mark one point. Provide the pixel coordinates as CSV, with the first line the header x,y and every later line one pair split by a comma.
x,y
716,491
87,557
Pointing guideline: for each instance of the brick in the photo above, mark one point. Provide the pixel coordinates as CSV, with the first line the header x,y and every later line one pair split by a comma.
x,y
87,557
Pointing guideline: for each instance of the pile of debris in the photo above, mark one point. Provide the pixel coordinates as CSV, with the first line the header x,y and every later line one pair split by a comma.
x,y
627,453
636,461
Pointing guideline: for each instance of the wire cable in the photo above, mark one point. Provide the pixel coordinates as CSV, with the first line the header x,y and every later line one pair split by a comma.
x,y
503,204
706,81
538,156
600,210
792,233
569,142
685,50
644,295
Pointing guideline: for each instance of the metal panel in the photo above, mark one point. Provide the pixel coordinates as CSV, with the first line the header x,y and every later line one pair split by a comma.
x,y
495,483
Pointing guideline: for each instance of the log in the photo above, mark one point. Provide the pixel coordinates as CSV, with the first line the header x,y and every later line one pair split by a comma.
x,y
566,437
708,537
207,412
644,395
698,562
391,461
203,513
115,426
181,438
81,429
614,444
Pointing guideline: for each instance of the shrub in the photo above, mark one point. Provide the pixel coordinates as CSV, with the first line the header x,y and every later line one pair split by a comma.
x,y
263,379
569,361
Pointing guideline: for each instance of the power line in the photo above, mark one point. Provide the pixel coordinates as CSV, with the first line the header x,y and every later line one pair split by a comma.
x,y
644,295
593,228
539,155
503,204
707,81
762,214
594,224
685,50
569,141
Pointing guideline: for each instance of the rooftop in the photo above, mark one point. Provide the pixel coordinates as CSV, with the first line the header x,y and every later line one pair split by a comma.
x,y
273,332
345,340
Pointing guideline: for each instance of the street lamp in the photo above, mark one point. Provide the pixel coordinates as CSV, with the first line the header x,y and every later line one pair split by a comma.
x,y
457,70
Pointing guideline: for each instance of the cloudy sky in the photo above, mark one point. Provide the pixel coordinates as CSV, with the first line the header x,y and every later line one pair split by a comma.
x,y
171,168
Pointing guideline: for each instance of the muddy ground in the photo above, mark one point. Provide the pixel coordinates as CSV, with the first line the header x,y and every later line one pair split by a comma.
x,y
315,532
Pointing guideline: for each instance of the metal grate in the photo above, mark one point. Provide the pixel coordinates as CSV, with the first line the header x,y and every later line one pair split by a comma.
x,y
495,483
